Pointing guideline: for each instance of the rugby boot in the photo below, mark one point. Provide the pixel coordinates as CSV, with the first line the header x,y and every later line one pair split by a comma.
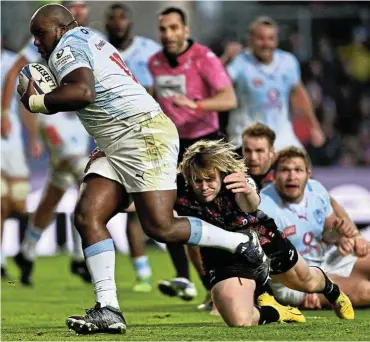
x,y
287,314
99,319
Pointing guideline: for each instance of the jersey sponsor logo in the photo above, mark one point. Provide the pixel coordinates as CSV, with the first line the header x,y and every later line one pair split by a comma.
x,y
100,44
84,31
307,238
63,57
291,230
257,82
273,95
168,85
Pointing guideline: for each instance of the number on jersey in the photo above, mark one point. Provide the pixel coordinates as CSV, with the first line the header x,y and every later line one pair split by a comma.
x,y
116,58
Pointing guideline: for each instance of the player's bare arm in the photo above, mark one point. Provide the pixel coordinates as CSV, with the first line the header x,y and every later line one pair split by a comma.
x,y
76,91
223,100
301,104
245,194
348,228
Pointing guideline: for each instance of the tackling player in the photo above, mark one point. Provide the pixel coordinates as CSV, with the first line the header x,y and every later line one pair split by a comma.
x,y
215,179
135,51
141,147
302,211
269,87
68,143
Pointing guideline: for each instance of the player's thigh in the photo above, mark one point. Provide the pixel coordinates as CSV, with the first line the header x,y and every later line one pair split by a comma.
x,y
297,277
234,299
155,209
99,199
15,192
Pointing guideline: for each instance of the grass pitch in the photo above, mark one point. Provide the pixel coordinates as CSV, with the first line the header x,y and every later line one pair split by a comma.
x,y
39,313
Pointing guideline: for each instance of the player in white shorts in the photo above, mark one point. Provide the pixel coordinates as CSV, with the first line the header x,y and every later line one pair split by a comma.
x,y
141,146
267,81
302,211
14,169
67,143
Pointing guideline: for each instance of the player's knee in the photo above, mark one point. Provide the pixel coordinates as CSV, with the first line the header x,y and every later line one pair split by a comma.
x,y
240,321
160,230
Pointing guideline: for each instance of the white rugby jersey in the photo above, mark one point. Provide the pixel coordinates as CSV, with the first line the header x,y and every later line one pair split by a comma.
x,y
7,60
118,94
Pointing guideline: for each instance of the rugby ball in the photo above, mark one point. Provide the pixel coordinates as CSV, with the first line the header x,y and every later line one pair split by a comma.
x,y
44,79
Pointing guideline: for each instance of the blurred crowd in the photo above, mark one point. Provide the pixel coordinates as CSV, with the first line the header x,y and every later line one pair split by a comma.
x,y
338,81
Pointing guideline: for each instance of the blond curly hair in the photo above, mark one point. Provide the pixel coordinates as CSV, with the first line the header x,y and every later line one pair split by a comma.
x,y
205,156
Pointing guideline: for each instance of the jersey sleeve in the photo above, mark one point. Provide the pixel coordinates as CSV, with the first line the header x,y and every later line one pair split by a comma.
x,y
295,70
144,75
30,52
233,68
213,71
70,57
269,207
322,196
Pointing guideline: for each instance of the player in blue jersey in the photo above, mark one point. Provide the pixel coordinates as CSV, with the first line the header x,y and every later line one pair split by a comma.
x,y
135,51
302,210
268,86
67,143
141,149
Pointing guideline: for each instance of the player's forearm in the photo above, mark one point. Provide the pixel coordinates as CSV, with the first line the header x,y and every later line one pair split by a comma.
x,y
30,123
248,202
223,101
341,213
301,104
69,97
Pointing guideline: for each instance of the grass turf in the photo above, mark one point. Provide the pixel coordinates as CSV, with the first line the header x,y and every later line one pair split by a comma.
x,y
39,313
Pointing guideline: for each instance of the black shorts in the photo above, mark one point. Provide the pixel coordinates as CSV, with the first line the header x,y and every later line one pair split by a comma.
x,y
222,265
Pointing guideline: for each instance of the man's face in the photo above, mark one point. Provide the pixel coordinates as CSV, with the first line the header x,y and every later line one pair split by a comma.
x,y
173,33
258,154
207,188
80,12
264,41
291,177
118,23
46,35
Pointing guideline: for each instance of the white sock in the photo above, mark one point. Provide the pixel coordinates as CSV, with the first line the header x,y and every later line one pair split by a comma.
x,y
100,260
142,267
31,237
77,251
3,258
205,234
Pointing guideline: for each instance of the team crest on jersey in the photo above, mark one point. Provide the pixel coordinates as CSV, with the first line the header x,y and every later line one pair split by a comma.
x,y
257,82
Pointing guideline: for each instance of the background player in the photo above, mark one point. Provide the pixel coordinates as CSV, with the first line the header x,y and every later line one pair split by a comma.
x,y
302,211
269,87
141,146
14,169
135,51
68,143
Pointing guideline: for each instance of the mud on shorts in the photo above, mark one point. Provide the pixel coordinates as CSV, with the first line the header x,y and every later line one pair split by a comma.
x,y
145,158
222,265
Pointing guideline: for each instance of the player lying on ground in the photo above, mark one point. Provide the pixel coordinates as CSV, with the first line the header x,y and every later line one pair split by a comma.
x,y
213,186
301,209
141,147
